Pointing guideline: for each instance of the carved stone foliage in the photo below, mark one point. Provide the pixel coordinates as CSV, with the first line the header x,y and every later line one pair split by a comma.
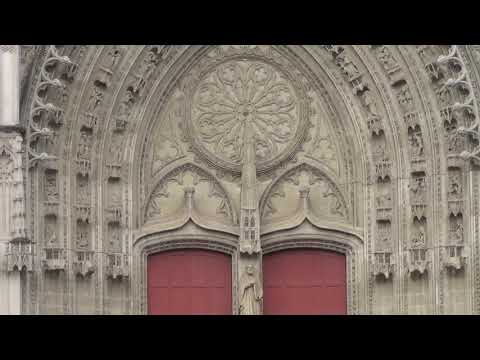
x,y
325,198
210,199
250,84
167,146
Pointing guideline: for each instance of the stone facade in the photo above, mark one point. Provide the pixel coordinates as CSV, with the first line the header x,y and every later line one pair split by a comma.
x,y
370,151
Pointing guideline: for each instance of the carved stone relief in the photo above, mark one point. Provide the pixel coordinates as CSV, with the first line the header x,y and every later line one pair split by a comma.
x,y
210,199
251,292
325,198
205,99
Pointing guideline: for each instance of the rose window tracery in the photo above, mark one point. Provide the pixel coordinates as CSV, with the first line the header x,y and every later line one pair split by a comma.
x,y
240,92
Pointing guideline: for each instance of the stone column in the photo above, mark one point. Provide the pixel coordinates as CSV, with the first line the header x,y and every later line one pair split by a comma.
x,y
9,85
12,206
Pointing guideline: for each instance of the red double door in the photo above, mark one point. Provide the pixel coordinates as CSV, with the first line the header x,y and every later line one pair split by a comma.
x,y
304,282
189,282
200,282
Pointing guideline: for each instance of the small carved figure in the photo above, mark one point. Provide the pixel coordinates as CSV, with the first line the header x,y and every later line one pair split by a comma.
x,y
83,192
113,58
418,188
251,292
416,143
348,67
455,186
126,104
83,149
114,239
458,233
384,200
95,100
51,188
50,234
82,238
419,239
115,150
370,104
444,97
386,58
404,96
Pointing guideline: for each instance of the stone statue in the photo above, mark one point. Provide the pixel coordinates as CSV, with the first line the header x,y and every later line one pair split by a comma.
x,y
95,99
51,188
51,235
251,292
370,104
455,186
459,232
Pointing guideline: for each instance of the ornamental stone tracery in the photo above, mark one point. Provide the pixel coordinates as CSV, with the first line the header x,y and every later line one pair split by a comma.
x,y
238,92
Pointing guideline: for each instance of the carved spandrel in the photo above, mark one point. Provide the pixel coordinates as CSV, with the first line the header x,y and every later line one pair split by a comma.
x,y
211,201
325,199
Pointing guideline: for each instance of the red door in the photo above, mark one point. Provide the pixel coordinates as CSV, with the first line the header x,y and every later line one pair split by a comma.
x,y
189,282
305,281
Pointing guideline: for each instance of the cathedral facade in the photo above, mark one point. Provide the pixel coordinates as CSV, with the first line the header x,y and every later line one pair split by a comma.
x,y
240,179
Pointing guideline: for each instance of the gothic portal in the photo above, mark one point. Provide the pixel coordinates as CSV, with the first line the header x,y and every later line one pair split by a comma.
x,y
240,179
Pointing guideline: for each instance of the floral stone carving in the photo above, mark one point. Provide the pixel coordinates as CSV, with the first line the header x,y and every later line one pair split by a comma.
x,y
241,91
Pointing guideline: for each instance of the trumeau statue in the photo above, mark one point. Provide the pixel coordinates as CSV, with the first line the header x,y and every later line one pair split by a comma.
x,y
251,293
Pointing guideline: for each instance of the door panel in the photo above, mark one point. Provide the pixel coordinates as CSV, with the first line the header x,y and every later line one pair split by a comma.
x,y
304,281
189,282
